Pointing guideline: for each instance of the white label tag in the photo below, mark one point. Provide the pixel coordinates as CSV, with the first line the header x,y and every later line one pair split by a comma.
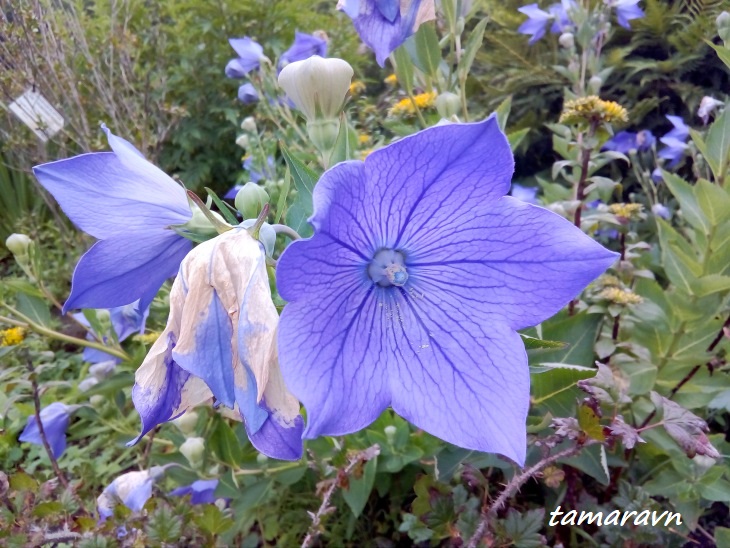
x,y
38,114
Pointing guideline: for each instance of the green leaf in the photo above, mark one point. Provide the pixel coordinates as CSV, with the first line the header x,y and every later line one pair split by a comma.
x,y
281,203
223,207
717,490
359,489
212,520
516,137
502,112
555,379
345,145
718,145
224,444
304,181
579,331
532,343
424,50
48,508
687,201
592,461
35,308
722,52
473,43
404,69
722,534
713,200
713,283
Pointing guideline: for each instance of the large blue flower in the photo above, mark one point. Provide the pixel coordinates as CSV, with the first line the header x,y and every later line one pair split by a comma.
x,y
128,204
411,290
55,419
385,24
249,57
303,47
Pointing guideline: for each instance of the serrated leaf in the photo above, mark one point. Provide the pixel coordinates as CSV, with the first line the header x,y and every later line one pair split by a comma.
x,y
212,520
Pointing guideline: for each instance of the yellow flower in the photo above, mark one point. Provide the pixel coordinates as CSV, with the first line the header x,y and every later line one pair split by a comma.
x,y
357,87
363,139
592,109
626,212
147,338
391,80
12,336
407,106
620,296
608,280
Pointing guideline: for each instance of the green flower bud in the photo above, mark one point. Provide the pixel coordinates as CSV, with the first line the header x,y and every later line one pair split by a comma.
x,y
250,200
193,449
104,317
249,124
448,104
323,133
200,224
97,401
187,422
317,87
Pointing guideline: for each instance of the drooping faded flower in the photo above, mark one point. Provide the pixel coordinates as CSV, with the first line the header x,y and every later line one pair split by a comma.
x,y
125,321
384,26
132,489
249,57
304,46
129,205
220,341
707,106
626,10
55,419
411,290
200,491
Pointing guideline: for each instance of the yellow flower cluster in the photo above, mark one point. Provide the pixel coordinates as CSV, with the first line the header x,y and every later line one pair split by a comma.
x,y
620,296
609,280
147,338
12,336
592,109
363,139
407,107
391,80
357,87
626,211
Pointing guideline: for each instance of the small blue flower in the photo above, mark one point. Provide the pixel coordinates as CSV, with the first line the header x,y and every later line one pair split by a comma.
x,y
538,20
132,489
525,193
656,175
675,141
55,419
626,10
128,204
249,57
126,321
201,491
662,211
247,94
626,141
385,24
304,46
413,287
220,342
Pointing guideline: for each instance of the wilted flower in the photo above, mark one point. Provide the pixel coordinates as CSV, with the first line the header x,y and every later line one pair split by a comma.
x,y
524,193
249,57
408,106
626,10
411,290
384,26
707,106
247,94
125,321
55,419
626,141
220,342
132,489
129,205
538,20
675,141
304,46
200,491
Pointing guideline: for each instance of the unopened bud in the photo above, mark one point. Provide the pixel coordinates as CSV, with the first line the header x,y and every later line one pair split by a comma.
x,y
249,124
18,244
88,383
104,317
242,141
317,86
200,224
193,449
97,401
187,422
261,458
448,104
250,200
390,431
323,133
567,40
594,84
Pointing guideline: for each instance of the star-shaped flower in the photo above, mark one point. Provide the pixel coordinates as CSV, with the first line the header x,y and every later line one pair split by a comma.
x,y
129,205
625,141
538,20
411,290
626,10
675,141
385,25
304,46
249,57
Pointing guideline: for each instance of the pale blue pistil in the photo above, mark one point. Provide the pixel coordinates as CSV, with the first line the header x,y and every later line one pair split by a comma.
x,y
388,268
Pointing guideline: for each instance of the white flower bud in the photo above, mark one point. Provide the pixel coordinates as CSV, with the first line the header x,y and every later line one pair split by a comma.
x,y
18,244
723,26
261,458
243,141
97,401
88,383
250,200
193,449
249,124
594,84
187,422
567,40
448,104
390,432
317,86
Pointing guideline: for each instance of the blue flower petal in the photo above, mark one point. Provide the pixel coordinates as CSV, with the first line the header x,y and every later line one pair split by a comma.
x,y
55,419
304,46
126,268
277,438
247,94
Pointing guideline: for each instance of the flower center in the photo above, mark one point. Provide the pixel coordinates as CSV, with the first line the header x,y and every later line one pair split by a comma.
x,y
388,268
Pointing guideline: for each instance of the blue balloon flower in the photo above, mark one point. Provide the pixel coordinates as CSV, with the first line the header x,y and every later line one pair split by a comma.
x,y
385,24
626,141
675,141
249,57
303,47
128,204
201,491
411,290
247,94
538,20
126,321
55,419
626,10
132,489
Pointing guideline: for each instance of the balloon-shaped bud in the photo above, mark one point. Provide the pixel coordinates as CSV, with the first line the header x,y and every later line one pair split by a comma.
x,y
448,104
250,200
